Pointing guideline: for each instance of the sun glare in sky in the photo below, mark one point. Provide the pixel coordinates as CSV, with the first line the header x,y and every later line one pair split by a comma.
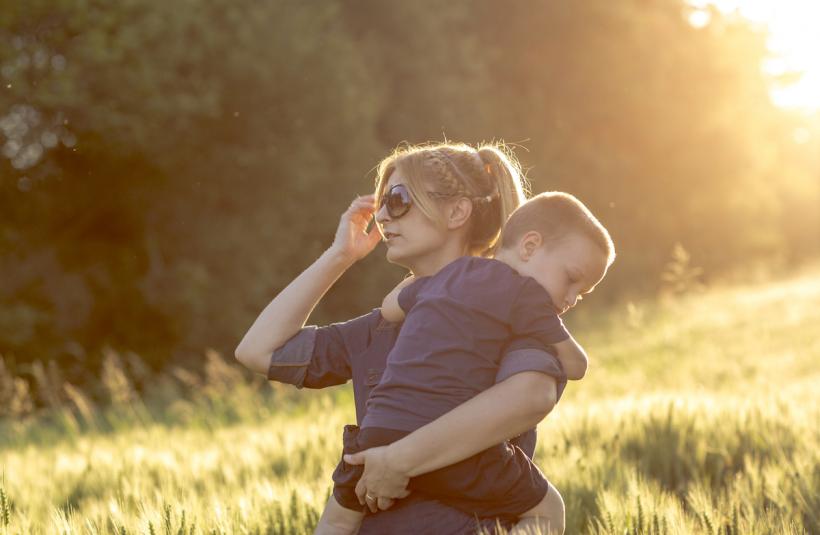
x,y
794,41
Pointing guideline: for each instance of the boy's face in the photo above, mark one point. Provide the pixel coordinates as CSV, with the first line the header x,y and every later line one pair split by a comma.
x,y
567,268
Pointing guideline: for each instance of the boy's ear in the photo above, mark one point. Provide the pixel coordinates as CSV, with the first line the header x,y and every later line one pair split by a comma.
x,y
458,213
529,243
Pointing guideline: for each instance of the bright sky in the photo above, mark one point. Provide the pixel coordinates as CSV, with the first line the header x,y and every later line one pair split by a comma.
x,y
794,39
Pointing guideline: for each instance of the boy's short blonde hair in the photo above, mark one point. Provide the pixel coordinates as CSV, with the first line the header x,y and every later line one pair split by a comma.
x,y
554,215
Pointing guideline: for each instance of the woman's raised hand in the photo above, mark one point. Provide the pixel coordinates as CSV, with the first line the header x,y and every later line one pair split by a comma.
x,y
352,239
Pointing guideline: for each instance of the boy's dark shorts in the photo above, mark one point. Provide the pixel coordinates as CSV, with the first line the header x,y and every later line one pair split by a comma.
x,y
500,481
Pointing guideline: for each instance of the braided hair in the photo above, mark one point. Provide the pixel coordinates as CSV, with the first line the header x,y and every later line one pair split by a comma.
x,y
489,176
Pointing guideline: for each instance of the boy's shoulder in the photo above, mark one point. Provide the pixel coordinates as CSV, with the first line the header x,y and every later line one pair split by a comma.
x,y
477,275
468,268
500,283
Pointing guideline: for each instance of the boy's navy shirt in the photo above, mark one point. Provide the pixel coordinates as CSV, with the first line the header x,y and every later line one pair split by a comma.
x,y
356,350
458,324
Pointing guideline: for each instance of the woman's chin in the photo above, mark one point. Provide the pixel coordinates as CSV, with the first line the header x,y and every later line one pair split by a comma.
x,y
392,255
395,257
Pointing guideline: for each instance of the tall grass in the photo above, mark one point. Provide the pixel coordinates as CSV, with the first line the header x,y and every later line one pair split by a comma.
x,y
699,416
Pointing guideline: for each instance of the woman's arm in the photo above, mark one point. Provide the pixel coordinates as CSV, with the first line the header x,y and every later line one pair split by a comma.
x,y
501,412
289,310
504,410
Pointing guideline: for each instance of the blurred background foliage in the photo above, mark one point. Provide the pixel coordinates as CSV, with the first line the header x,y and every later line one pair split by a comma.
x,y
168,167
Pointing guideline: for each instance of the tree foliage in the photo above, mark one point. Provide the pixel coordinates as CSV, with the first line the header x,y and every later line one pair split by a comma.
x,y
168,167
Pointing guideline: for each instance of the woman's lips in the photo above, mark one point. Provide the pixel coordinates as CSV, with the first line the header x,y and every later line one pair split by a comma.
x,y
389,236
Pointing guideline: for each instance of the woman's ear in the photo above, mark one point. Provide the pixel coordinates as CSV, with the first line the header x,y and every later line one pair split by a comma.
x,y
528,244
458,213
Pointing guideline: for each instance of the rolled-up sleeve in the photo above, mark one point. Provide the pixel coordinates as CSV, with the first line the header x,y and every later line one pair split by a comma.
x,y
529,359
317,357
289,363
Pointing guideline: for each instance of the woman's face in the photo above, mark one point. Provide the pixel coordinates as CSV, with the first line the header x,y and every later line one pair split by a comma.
x,y
413,240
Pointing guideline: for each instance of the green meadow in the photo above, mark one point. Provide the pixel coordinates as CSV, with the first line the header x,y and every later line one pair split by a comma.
x,y
699,415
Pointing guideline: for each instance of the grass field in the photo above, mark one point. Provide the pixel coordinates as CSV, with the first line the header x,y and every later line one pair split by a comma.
x,y
699,415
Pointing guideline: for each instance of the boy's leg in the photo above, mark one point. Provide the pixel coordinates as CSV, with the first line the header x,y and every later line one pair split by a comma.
x,y
338,520
346,476
547,518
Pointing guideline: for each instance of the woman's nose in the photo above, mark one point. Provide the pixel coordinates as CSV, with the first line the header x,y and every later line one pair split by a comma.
x,y
381,214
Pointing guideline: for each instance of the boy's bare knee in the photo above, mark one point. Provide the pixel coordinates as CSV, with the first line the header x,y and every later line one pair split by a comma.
x,y
549,514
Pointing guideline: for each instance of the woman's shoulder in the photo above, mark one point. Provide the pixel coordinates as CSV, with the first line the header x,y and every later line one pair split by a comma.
x,y
357,332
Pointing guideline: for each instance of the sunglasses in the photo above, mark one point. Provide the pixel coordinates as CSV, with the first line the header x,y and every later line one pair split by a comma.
x,y
398,200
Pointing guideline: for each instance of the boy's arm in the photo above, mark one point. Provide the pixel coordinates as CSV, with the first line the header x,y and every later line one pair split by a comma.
x,y
572,357
391,311
533,322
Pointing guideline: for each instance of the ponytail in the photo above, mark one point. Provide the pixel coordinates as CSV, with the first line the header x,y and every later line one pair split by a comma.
x,y
510,191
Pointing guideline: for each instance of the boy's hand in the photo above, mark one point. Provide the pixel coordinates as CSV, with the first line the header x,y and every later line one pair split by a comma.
x,y
391,311
573,358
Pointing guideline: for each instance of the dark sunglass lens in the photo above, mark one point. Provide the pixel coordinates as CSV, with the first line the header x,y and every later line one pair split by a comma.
x,y
397,201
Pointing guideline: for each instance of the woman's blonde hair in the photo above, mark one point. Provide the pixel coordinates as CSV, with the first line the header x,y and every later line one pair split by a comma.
x,y
488,175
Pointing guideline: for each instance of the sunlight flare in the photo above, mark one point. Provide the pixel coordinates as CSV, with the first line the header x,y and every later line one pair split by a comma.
x,y
793,41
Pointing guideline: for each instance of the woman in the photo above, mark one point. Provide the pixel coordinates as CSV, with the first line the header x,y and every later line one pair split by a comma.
x,y
426,225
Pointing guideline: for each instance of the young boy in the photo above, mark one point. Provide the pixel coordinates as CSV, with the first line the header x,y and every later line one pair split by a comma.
x,y
552,251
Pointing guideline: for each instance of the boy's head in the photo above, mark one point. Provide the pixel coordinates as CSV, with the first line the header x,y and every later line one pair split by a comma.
x,y
556,240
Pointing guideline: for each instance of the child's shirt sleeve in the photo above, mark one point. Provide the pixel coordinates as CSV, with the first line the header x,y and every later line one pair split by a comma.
x,y
533,319
519,356
535,326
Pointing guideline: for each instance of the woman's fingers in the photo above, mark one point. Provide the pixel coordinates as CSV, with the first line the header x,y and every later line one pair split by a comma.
x,y
361,490
372,503
354,458
374,236
362,204
379,480
366,498
385,503
361,208
360,213
352,237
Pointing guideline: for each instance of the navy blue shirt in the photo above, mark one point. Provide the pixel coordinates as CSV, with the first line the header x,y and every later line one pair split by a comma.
x,y
457,324
357,349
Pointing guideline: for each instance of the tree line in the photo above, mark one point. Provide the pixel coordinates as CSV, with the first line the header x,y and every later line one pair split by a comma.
x,y
168,167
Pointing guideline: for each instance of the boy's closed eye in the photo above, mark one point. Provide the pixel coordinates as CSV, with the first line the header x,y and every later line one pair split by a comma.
x,y
575,275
